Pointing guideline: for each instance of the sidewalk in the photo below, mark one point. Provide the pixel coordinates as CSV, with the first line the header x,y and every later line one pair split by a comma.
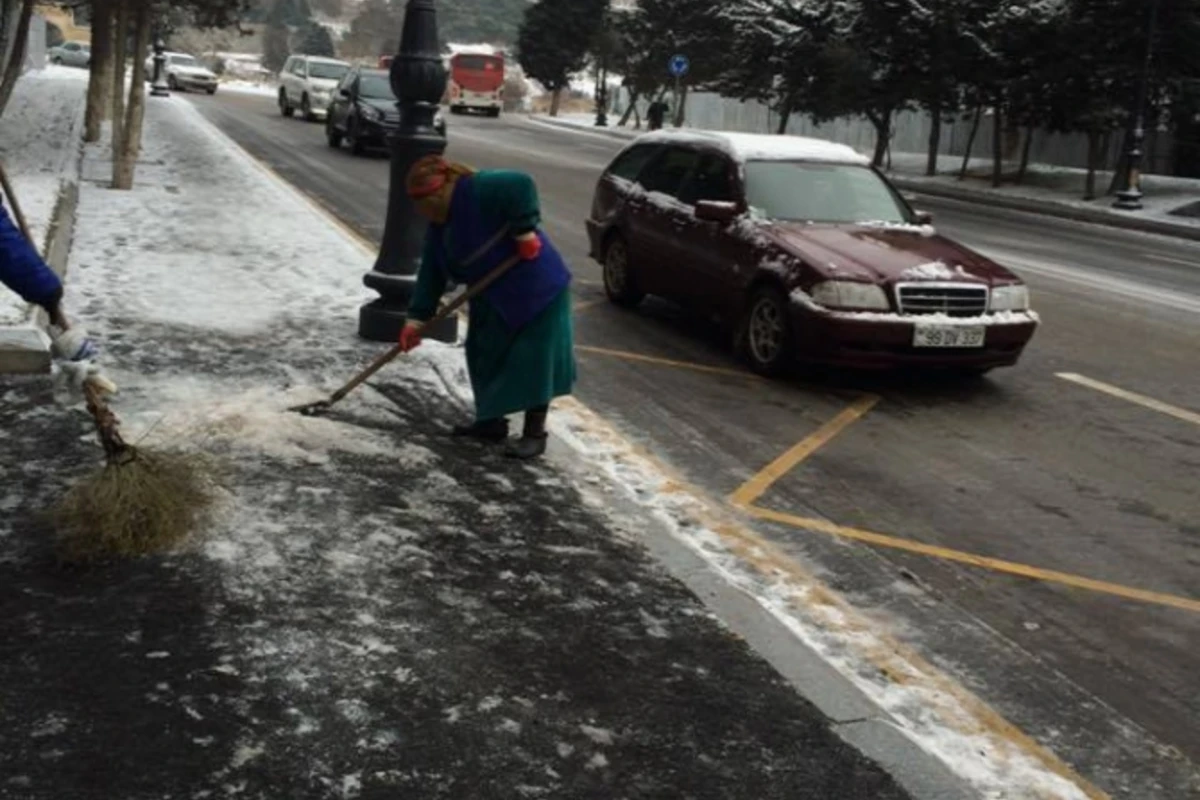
x,y
378,611
1050,191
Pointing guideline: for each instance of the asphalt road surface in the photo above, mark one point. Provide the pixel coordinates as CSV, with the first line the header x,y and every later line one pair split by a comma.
x,y
1074,474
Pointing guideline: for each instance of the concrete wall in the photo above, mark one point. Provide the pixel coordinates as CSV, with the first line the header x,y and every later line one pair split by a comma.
x,y
35,50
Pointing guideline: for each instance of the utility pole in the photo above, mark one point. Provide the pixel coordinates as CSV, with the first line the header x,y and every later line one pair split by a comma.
x,y
1130,199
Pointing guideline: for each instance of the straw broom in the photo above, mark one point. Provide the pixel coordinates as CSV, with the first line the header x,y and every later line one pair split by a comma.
x,y
140,501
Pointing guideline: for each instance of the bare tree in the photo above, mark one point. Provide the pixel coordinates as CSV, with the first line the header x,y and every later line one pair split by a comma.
x,y
16,59
120,36
128,145
99,95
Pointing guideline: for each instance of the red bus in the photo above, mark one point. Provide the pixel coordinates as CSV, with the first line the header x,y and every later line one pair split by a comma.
x,y
476,82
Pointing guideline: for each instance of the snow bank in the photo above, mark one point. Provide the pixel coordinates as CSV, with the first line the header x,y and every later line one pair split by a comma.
x,y
249,87
39,147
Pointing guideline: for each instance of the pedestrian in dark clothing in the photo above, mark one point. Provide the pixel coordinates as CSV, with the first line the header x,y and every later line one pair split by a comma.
x,y
656,114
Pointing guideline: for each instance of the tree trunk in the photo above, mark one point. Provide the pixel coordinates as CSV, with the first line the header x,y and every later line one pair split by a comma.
x,y
555,102
935,138
681,112
966,164
1025,152
100,81
785,115
1093,156
16,61
883,132
120,32
125,160
633,98
997,144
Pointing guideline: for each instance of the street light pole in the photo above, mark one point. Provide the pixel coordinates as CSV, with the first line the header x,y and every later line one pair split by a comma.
x,y
159,85
1130,199
418,78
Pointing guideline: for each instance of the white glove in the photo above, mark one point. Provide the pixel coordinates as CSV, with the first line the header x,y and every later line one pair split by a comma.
x,y
77,374
74,345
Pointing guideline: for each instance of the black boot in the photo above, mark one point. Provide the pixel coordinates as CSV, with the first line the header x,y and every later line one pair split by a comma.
x,y
485,430
533,440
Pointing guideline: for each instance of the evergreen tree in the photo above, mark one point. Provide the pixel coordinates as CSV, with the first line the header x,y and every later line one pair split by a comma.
x,y
553,41
315,40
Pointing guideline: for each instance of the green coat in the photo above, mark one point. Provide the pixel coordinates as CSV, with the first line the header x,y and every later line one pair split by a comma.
x,y
510,370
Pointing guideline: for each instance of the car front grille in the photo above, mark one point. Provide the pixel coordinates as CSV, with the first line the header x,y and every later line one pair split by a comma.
x,y
952,299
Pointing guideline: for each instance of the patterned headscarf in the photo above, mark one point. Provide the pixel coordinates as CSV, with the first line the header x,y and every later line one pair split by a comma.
x,y
431,182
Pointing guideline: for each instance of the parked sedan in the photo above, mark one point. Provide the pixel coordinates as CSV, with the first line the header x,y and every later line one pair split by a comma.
x,y
71,54
363,111
806,253
183,71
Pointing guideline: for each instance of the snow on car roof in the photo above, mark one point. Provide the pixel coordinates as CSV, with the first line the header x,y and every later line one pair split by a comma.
x,y
762,147
324,60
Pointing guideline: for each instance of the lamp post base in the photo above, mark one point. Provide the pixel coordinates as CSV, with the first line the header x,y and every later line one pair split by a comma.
x,y
159,91
1129,200
379,321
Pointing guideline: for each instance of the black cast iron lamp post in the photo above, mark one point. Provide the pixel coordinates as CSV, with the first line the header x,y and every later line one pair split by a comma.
x,y
1130,199
159,87
418,78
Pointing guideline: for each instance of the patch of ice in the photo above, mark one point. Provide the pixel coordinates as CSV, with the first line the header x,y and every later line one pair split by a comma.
x,y
597,761
564,750
509,726
490,703
245,753
601,736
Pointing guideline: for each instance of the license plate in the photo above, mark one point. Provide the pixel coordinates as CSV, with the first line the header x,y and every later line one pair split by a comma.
x,y
948,335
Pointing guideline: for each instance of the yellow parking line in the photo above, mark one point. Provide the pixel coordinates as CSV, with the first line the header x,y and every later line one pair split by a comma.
x,y
984,562
666,362
584,305
757,486
1133,397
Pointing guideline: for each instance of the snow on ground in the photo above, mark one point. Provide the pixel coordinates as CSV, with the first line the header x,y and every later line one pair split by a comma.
x,y
39,147
249,87
932,710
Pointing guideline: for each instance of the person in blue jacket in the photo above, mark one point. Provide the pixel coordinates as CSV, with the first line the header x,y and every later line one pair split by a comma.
x,y
520,343
23,271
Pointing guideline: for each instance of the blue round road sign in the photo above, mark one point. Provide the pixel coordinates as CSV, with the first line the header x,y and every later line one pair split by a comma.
x,y
679,65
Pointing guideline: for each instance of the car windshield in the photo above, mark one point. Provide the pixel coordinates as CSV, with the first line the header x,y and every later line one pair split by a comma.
x,y
817,192
184,61
331,72
376,86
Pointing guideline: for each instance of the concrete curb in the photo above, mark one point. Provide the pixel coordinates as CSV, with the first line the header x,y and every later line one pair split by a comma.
x,y
1043,208
851,714
25,349
1048,209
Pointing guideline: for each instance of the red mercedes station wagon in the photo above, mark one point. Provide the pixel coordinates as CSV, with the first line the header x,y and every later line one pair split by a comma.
x,y
805,251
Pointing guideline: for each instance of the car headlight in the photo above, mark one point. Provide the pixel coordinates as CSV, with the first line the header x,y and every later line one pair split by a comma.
x,y
850,294
372,113
1010,298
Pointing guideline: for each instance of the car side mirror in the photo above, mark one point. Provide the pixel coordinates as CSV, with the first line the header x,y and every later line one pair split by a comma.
x,y
923,217
720,211
344,92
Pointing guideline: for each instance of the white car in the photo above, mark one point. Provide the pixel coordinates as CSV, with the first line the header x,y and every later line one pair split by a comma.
x,y
307,83
71,54
184,72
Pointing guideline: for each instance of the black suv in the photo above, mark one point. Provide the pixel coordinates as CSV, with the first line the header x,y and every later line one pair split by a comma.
x,y
363,111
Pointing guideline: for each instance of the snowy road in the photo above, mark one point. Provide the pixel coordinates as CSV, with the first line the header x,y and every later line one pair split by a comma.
x,y
1036,534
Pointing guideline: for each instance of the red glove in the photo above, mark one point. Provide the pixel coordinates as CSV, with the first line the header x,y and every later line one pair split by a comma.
x,y
529,246
410,337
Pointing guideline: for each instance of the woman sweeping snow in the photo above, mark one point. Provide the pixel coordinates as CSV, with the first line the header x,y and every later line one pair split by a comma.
x,y
520,343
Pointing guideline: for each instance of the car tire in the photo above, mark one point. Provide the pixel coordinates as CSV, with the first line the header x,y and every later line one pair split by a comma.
x,y
331,135
765,333
619,282
353,139
306,109
58,62
285,108
212,90
494,113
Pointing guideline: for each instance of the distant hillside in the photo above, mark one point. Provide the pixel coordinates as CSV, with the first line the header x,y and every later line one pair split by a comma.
x,y
480,20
